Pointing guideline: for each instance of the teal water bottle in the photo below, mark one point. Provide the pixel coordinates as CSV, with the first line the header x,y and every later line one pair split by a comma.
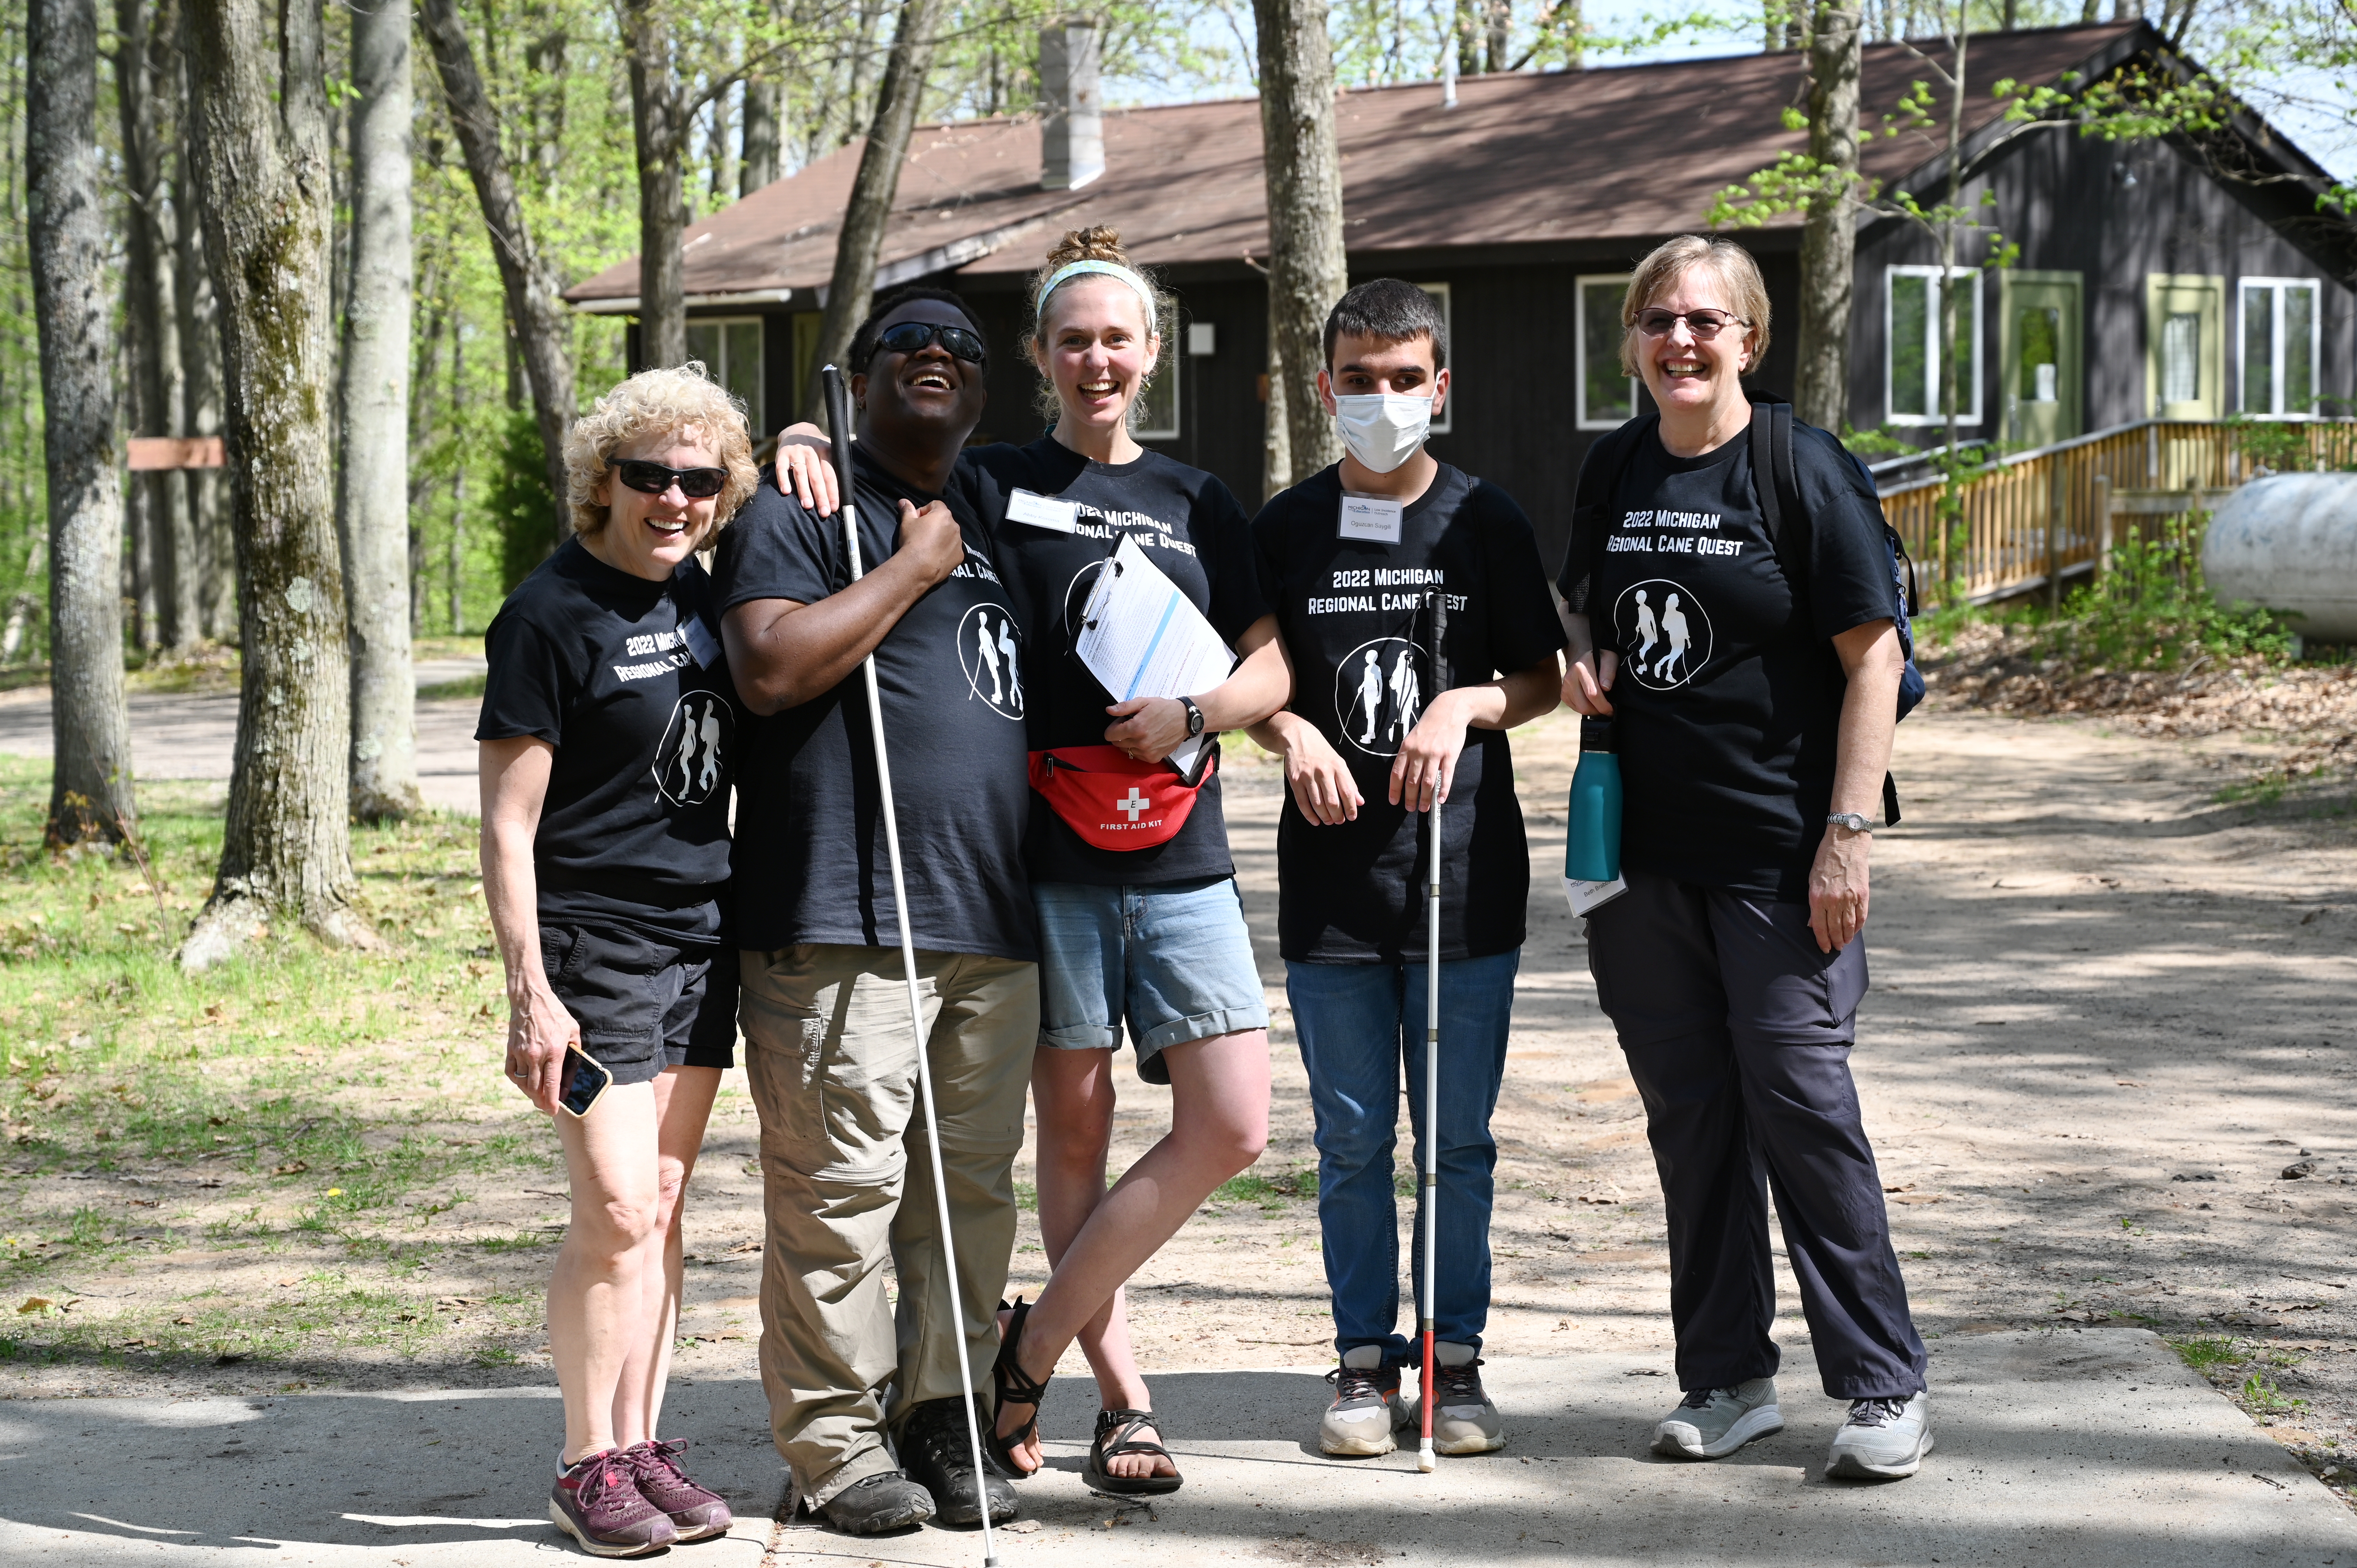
x,y
1592,849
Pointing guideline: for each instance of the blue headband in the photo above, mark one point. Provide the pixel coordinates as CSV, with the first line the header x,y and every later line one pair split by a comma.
x,y
1071,270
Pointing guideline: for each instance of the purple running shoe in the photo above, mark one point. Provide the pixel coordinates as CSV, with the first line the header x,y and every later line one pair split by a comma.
x,y
695,1511
597,1503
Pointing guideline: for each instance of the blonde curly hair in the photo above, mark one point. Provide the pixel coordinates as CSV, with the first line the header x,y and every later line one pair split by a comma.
x,y
657,403
1095,243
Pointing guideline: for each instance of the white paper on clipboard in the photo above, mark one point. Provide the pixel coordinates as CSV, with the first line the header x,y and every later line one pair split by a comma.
x,y
1142,636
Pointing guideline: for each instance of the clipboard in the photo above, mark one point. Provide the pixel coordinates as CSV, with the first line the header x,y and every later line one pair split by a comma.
x,y
1141,636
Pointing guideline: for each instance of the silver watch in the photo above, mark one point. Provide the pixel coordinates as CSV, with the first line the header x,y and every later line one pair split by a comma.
x,y
1851,821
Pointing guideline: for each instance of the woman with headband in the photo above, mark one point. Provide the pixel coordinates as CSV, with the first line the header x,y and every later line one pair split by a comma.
x,y
1140,924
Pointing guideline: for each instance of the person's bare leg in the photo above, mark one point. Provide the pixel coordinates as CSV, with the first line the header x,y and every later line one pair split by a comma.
x,y
1074,1096
597,1295
684,1097
1219,1124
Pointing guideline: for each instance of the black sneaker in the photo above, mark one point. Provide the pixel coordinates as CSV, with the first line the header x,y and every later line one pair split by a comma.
x,y
938,1454
888,1501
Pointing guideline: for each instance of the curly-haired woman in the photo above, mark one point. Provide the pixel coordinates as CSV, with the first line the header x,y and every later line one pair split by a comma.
x,y
608,728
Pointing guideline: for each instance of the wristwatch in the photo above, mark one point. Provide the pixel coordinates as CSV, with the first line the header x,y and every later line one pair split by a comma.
x,y
1194,717
1851,821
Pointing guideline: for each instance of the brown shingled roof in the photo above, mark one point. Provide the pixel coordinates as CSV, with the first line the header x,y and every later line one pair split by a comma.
x,y
1614,152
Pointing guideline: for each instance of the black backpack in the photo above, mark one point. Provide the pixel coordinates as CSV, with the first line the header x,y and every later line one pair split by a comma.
x,y
1594,499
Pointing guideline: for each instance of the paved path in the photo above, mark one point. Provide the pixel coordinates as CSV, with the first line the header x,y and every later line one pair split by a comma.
x,y
178,735
2092,1448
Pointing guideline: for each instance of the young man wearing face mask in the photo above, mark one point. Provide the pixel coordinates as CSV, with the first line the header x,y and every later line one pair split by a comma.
x,y
1352,559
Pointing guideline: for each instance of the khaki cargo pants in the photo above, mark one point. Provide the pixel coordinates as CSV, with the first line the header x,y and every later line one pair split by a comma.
x,y
846,1182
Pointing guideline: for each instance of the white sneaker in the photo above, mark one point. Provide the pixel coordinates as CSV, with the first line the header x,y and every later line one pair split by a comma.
x,y
1463,1421
1883,1440
1711,1423
1366,1409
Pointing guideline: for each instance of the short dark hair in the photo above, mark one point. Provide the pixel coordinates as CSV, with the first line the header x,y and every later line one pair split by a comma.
x,y
862,341
1390,311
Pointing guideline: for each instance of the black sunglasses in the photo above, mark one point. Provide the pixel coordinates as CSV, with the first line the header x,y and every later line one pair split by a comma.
x,y
915,337
1704,324
653,478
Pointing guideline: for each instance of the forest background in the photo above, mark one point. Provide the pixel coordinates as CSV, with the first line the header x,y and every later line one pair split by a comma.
x,y
555,72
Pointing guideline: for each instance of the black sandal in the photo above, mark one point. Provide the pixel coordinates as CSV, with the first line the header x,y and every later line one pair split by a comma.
x,y
1012,1384
1116,1431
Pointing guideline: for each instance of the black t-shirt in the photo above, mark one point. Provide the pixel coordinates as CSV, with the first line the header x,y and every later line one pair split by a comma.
x,y
1191,526
1354,617
625,678
1729,692
812,862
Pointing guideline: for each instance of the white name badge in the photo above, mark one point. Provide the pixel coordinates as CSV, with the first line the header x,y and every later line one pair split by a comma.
x,y
701,646
1043,511
1372,519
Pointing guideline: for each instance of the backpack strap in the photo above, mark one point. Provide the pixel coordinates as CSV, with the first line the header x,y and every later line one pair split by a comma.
x,y
1592,498
1775,473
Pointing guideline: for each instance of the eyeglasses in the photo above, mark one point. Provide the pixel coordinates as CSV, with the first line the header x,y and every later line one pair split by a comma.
x,y
915,337
1704,324
653,478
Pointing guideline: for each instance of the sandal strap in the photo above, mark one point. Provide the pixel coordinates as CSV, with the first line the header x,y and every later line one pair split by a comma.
x,y
1015,1384
1119,1425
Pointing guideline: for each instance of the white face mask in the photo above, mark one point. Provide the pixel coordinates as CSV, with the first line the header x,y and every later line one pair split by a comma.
x,y
1383,430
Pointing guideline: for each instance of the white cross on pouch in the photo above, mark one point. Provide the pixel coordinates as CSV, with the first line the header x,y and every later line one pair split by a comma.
x,y
1134,805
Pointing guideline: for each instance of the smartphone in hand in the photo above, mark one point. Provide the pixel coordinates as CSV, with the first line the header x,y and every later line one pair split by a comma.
x,y
585,1079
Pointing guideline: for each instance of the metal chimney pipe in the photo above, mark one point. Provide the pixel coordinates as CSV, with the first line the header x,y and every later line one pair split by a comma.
x,y
1071,129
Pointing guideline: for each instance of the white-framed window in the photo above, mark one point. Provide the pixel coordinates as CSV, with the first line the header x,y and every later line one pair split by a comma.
x,y
2281,336
1439,292
730,348
1914,366
1156,416
1607,399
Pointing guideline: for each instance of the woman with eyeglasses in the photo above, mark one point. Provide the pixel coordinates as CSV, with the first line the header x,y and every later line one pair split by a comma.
x,y
1140,924
1737,630
607,734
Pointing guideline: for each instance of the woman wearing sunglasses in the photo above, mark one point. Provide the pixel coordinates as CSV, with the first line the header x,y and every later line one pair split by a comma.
x,y
1751,663
607,730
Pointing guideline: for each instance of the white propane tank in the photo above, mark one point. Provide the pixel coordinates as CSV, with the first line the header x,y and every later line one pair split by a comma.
x,y
2289,543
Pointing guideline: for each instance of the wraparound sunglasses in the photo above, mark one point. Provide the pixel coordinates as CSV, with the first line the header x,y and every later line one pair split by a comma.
x,y
653,478
914,336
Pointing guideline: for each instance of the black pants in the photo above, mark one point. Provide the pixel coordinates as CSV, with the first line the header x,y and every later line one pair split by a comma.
x,y
1737,1031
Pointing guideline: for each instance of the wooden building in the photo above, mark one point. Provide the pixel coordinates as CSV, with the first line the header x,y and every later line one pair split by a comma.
x,y
2153,278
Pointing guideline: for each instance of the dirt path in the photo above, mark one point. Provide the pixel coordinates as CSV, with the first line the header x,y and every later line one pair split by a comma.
x,y
2108,1014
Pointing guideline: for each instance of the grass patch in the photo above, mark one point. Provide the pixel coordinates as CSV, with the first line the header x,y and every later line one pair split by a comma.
x,y
465,686
2261,1397
1269,1192
2209,1353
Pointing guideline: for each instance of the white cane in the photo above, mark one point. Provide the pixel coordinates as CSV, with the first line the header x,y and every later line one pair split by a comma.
x,y
838,410
1425,1460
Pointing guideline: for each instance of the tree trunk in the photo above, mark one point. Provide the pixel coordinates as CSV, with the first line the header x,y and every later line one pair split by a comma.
x,y
659,132
1276,443
764,108
1306,269
852,285
89,785
372,507
1499,15
263,177
214,554
1828,236
535,315
144,84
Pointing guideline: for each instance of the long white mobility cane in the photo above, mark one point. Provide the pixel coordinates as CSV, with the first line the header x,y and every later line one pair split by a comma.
x,y
1425,1460
838,413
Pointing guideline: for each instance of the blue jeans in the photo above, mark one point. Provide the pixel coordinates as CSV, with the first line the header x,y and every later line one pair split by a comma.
x,y
1359,1025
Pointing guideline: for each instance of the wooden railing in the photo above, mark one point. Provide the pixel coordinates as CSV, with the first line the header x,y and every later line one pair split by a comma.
x,y
2035,519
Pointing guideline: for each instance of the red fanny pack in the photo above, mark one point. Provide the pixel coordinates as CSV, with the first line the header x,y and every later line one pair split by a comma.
x,y
1112,801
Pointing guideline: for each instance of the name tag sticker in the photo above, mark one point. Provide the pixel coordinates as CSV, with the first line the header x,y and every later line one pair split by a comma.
x,y
1372,519
1043,511
701,646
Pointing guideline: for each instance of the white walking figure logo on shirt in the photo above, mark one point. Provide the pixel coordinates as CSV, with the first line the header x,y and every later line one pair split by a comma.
x,y
1136,805
1404,696
1648,633
1370,696
1663,647
991,655
692,760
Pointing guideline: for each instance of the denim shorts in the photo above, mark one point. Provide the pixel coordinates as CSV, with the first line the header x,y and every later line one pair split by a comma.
x,y
1173,961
